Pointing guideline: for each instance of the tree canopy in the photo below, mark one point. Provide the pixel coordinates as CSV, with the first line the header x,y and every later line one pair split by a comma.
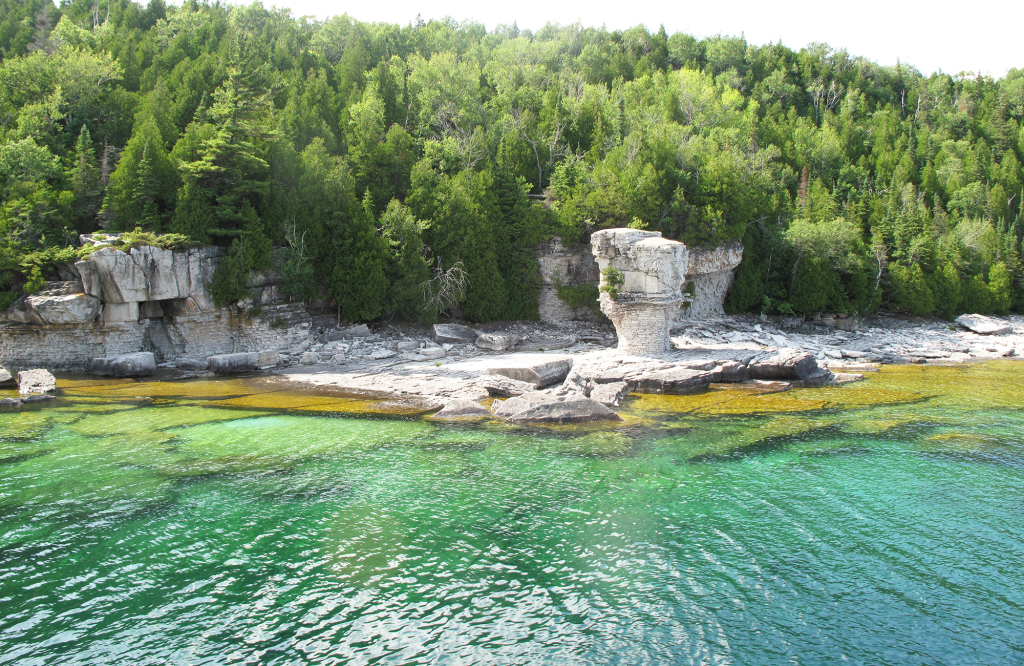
x,y
385,157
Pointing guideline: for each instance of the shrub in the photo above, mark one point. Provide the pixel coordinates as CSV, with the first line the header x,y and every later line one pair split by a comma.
x,y
910,291
1000,287
612,280
578,295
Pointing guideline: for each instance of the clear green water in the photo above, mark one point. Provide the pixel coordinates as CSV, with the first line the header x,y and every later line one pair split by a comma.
x,y
880,523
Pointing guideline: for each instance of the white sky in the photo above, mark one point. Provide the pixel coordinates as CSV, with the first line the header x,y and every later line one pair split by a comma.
x,y
977,35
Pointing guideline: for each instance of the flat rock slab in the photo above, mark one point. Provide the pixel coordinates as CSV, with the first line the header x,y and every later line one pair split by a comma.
x,y
540,371
36,382
454,333
500,386
783,364
463,409
125,365
674,381
984,325
544,345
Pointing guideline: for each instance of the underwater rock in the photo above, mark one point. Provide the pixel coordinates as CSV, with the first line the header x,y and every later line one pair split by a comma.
x,y
454,333
36,381
125,365
562,410
538,370
10,402
984,325
462,409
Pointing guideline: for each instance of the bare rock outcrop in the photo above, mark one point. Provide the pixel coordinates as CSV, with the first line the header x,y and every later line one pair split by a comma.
x,y
536,369
984,325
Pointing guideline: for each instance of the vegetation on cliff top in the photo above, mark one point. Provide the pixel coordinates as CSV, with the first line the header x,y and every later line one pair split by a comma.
x,y
383,156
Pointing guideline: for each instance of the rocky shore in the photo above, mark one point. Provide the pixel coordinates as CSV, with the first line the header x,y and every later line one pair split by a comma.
x,y
581,360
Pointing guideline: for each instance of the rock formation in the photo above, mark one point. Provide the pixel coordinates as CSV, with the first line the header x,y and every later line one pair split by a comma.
x,y
149,299
709,274
653,271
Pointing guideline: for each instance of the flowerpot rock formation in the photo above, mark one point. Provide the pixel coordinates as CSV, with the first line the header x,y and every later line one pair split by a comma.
x,y
653,272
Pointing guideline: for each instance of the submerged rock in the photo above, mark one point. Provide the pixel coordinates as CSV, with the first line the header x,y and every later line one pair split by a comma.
x,y
562,410
984,325
36,382
462,409
125,365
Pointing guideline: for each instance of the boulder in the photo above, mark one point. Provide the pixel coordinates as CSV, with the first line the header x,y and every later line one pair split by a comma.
x,y
432,352
119,312
984,325
538,370
358,331
37,397
224,364
610,394
268,359
37,381
10,402
496,341
499,386
562,410
462,409
125,365
309,358
122,280
381,354
783,364
454,333
6,379
69,309
408,345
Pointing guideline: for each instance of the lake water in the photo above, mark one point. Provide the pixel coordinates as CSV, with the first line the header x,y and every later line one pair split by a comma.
x,y
231,522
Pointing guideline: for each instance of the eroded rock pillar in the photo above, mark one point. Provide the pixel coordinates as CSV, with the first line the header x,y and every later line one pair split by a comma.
x,y
653,271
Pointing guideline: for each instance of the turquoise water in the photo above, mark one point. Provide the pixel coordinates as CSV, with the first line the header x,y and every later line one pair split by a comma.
x,y
877,524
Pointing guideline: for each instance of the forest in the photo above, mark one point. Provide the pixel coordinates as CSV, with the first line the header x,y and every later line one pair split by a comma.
x,y
405,171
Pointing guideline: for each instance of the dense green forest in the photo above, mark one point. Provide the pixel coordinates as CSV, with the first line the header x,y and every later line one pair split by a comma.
x,y
407,169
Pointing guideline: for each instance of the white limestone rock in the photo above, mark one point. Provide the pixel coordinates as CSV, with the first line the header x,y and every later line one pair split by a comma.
x,y
36,382
496,341
69,309
454,333
224,364
432,352
538,370
159,266
6,378
984,325
121,279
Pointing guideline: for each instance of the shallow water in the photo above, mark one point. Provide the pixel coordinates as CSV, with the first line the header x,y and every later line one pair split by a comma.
x,y
230,522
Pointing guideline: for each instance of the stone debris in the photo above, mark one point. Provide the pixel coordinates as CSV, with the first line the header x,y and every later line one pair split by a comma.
x,y
538,370
139,364
35,382
984,325
462,409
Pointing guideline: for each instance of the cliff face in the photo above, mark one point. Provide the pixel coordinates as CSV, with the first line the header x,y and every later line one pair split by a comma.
x,y
149,299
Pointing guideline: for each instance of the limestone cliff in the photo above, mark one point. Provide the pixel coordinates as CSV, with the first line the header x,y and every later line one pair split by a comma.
x,y
148,299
